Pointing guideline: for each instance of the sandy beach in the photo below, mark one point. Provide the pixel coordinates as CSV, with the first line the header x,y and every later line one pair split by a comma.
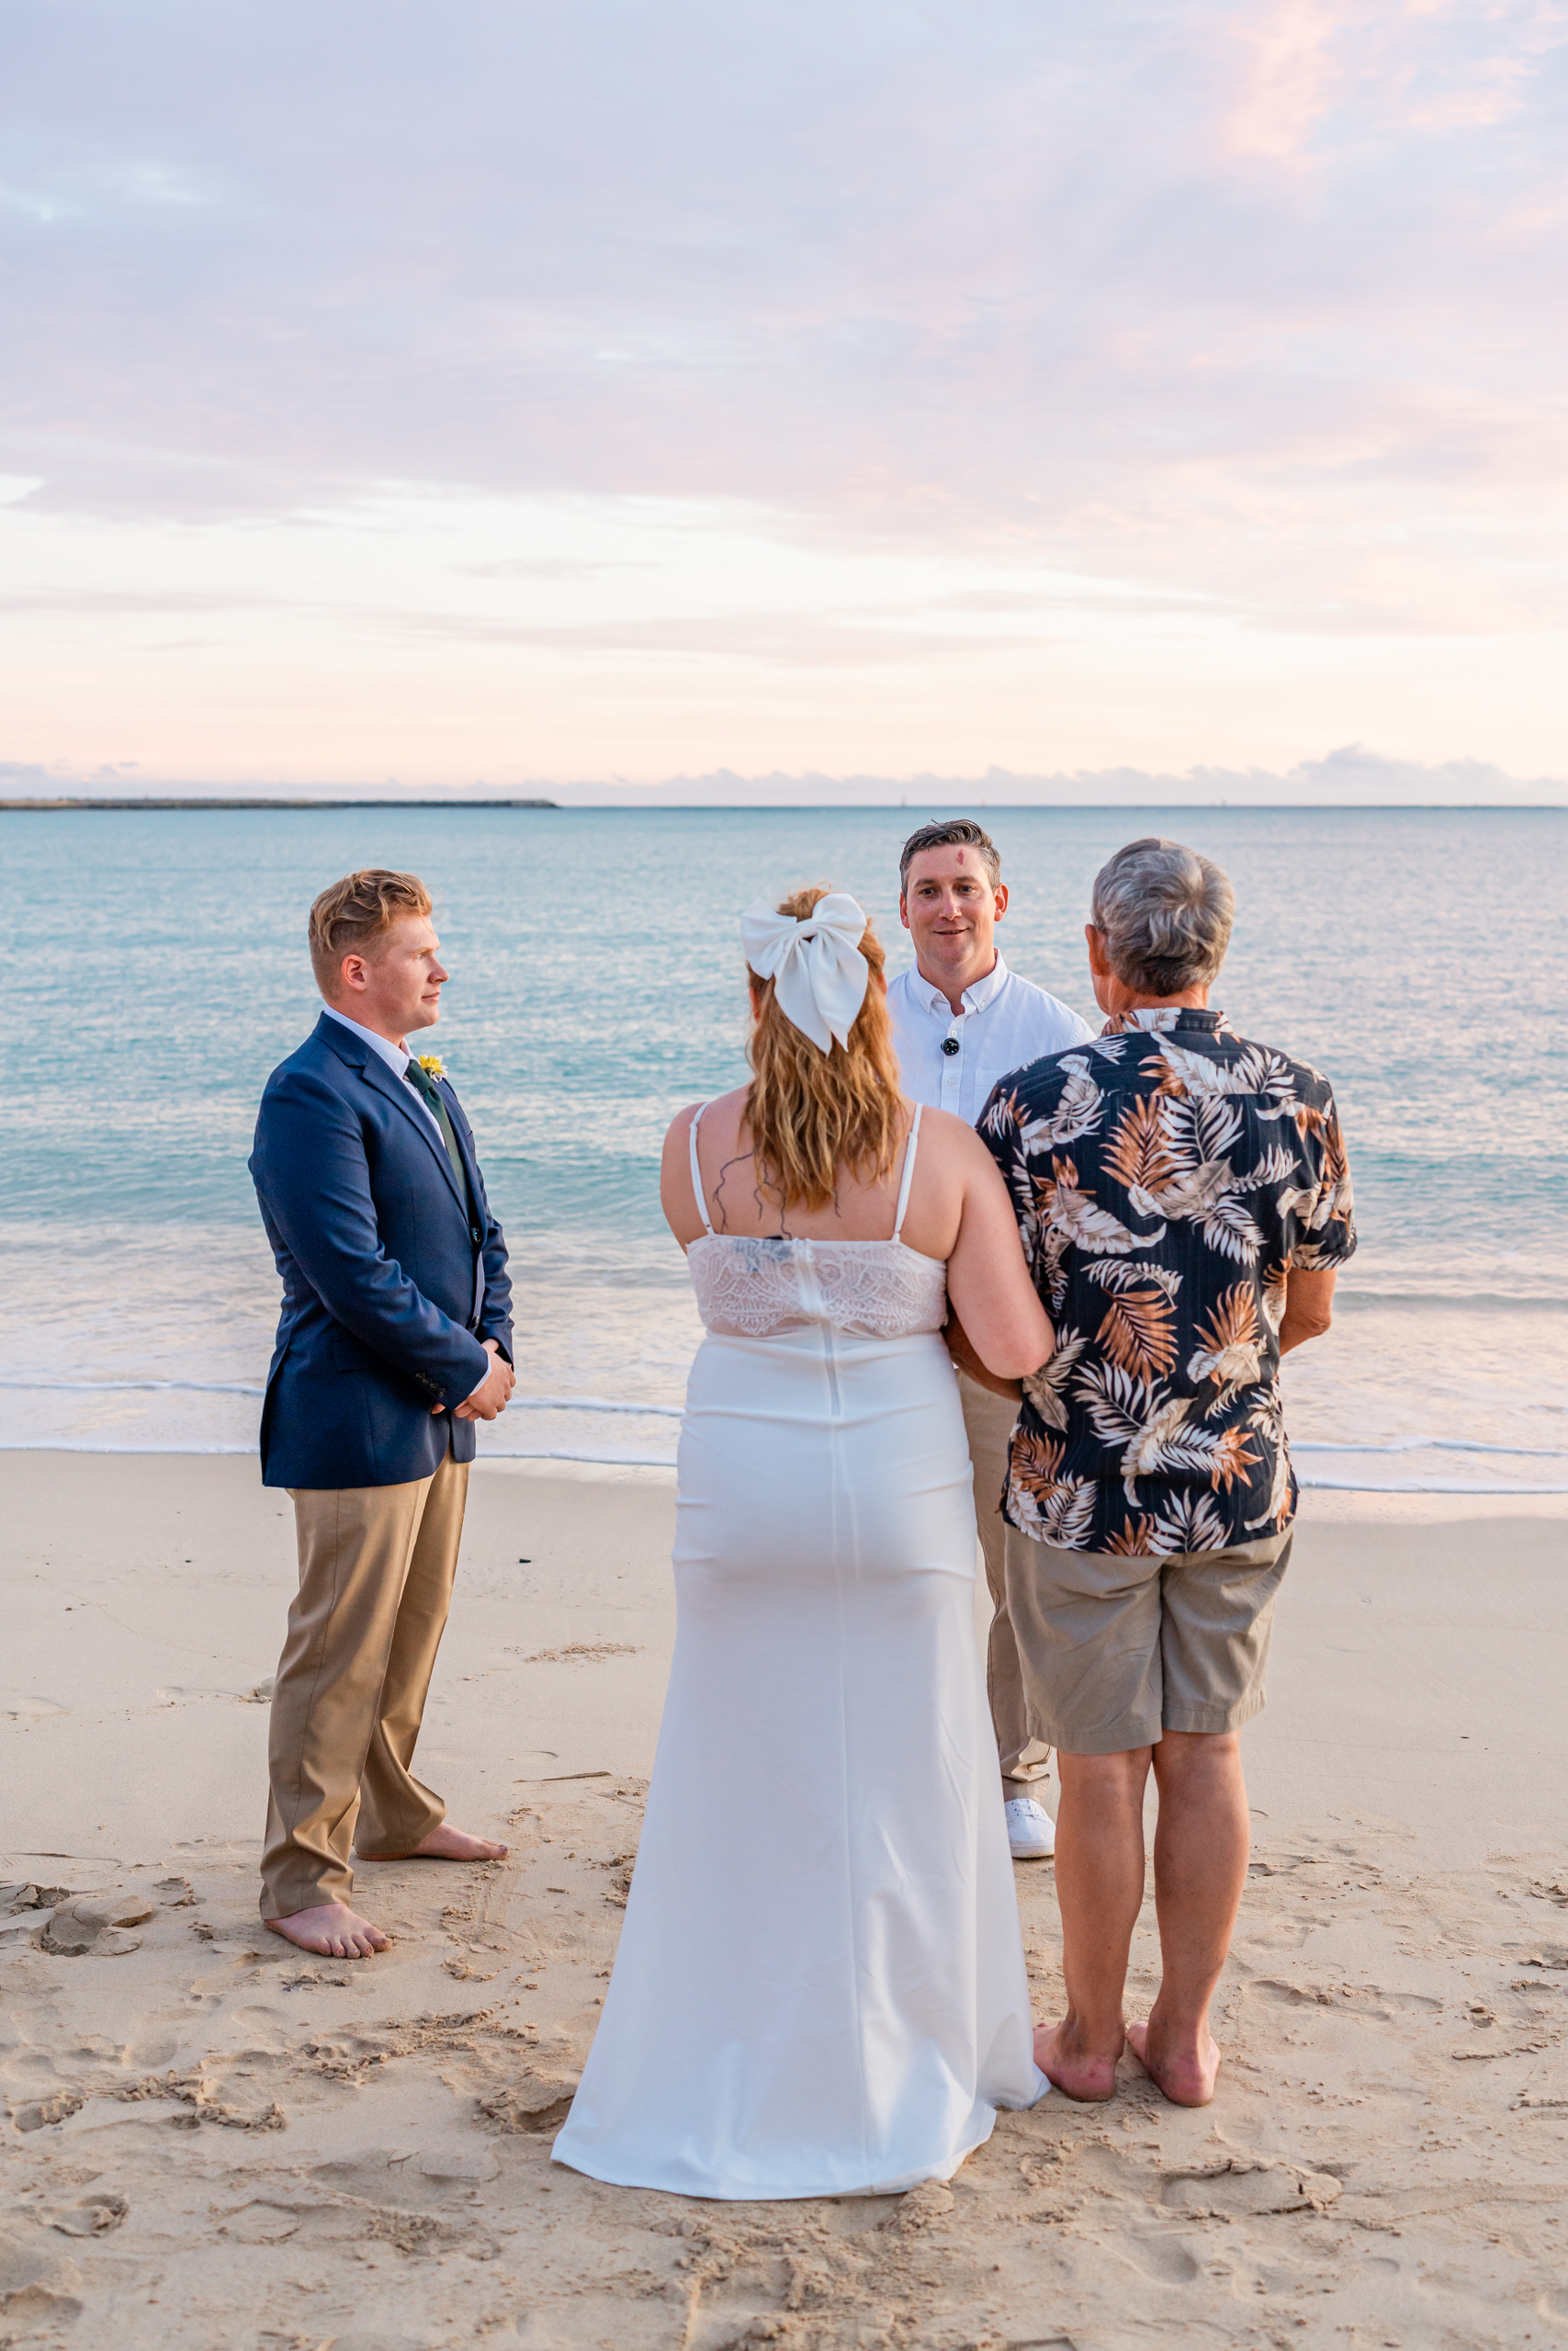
x,y
213,2140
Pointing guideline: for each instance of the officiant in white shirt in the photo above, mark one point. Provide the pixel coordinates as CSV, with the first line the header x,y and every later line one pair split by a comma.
x,y
962,1020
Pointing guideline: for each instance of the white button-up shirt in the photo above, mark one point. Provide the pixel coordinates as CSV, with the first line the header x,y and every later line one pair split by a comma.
x,y
396,1057
1006,1022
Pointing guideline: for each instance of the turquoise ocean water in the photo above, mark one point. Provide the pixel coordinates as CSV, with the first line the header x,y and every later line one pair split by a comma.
x,y
1420,958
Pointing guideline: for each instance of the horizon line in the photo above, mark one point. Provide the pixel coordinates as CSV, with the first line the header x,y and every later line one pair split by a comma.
x,y
162,802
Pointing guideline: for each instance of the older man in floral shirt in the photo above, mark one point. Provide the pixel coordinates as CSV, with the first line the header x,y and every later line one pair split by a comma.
x,y
1184,1201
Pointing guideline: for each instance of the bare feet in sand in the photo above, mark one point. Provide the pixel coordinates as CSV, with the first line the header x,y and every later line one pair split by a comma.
x,y
444,1843
1088,2076
331,1930
1185,2076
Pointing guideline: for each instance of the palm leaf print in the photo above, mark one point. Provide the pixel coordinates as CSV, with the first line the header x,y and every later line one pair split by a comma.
x,y
1273,1168
1231,1459
1119,1406
1322,1204
1256,1071
1115,1273
1203,1187
1062,1508
1136,1540
1213,1126
1190,1523
1322,1125
1184,1172
1065,1513
1034,1462
1079,1219
1046,1388
1138,1154
1228,1226
1000,1118
1268,1417
1139,1332
1079,1109
1231,1350
1272,1285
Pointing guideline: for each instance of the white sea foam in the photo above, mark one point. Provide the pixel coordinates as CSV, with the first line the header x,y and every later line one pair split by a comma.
x,y
612,1457
647,1411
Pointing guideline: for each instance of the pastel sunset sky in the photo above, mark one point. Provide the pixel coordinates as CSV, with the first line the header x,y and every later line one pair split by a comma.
x,y
547,391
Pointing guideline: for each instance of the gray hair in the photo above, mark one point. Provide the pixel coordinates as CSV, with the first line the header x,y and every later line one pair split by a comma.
x,y
1165,915
951,832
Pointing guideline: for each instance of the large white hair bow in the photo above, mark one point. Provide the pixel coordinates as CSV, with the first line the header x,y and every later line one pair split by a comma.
x,y
819,973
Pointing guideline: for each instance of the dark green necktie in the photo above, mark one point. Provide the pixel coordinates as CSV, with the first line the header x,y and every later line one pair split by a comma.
x,y
429,1093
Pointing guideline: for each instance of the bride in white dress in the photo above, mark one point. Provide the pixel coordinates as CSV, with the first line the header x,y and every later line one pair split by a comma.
x,y
820,1986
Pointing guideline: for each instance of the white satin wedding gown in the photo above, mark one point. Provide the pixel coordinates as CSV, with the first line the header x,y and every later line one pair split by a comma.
x,y
820,1986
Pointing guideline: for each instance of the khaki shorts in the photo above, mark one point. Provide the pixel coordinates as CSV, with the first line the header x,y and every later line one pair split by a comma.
x,y
1116,1650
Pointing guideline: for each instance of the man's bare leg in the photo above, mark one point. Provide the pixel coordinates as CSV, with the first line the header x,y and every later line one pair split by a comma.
x,y
444,1843
331,1930
1099,1886
1201,1849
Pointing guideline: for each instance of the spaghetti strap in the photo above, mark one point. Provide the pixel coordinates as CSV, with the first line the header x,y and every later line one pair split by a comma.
x,y
911,1147
697,1170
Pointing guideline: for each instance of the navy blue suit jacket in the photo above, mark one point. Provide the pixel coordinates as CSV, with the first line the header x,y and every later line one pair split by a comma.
x,y
391,1279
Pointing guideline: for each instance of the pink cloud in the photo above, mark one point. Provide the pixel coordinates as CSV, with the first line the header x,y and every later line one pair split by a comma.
x,y
1254,296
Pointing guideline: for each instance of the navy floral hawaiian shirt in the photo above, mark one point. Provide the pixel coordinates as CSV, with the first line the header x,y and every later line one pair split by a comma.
x,y
1166,1177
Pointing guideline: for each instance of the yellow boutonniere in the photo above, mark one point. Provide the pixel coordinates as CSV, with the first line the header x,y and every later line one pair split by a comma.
x,y
432,1065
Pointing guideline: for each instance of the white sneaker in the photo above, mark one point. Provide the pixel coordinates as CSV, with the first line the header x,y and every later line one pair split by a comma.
x,y
1031,1832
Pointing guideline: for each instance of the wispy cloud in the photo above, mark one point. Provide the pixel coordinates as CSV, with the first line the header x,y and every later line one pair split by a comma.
x,y
1246,312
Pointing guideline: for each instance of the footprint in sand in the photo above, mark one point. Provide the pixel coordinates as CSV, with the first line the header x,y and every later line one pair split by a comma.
x,y
1247,2185
1162,2258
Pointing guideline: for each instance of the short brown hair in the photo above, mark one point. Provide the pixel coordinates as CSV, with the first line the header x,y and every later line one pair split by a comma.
x,y
362,907
809,1112
951,832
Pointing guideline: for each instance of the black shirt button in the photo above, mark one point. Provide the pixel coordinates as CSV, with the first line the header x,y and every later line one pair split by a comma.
x,y
475,1234
950,1045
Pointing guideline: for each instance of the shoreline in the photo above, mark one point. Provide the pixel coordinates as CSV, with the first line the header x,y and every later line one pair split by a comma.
x,y
1324,1501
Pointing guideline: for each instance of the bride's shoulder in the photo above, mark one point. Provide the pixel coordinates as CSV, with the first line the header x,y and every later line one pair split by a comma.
x,y
716,1108
944,1130
957,1153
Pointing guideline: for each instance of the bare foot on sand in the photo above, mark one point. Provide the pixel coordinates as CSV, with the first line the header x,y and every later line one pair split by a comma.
x,y
1186,2077
1088,2076
331,1930
444,1843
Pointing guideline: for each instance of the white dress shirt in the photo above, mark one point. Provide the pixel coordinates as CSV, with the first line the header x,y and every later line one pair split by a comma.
x,y
397,1058
1006,1022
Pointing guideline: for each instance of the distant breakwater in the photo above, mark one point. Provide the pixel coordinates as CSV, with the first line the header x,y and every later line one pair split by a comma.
x,y
54,807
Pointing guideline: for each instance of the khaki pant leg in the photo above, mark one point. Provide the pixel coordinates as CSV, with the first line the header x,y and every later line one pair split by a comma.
x,y
988,1424
356,1545
395,1809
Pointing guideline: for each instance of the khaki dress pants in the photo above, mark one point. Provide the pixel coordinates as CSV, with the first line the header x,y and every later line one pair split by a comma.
x,y
376,1569
988,1423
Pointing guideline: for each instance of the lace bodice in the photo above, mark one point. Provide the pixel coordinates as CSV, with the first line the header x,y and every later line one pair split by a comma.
x,y
749,1285
747,1288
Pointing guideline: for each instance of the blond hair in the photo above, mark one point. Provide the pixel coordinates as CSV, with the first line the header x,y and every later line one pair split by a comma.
x,y
348,916
808,1113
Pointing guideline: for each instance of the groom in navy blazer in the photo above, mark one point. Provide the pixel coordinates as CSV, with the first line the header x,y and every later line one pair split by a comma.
x,y
394,1338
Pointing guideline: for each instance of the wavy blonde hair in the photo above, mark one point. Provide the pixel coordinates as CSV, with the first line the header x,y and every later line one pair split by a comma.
x,y
808,1113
